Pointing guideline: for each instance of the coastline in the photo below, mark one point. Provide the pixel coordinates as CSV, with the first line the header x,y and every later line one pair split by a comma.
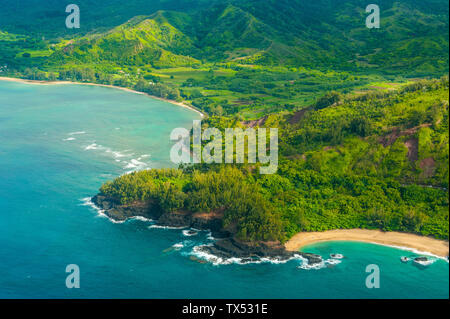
x,y
36,82
394,239
225,247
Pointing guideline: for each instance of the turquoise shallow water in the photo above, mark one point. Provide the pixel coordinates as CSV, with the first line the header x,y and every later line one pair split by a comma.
x,y
59,143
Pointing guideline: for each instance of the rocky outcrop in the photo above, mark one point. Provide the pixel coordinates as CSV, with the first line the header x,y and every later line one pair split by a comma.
x,y
119,212
206,221
225,247
230,247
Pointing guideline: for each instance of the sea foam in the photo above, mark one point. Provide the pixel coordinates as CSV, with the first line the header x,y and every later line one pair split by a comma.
x,y
87,201
164,227
323,264
92,146
199,252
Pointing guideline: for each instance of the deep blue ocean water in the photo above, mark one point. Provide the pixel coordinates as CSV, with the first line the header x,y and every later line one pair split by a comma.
x,y
59,143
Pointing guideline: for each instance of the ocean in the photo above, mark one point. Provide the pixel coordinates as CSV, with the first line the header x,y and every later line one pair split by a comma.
x,y
59,143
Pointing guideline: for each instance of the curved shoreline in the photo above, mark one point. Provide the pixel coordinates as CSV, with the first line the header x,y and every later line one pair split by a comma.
x,y
394,239
25,81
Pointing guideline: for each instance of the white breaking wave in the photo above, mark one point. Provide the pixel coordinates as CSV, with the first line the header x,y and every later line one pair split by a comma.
x,y
142,219
134,163
323,264
117,154
93,146
77,133
418,252
425,263
198,252
190,232
164,227
87,201
69,139
178,246
143,156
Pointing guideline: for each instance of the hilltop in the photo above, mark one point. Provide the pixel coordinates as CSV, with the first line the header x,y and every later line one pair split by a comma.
x,y
413,39
376,161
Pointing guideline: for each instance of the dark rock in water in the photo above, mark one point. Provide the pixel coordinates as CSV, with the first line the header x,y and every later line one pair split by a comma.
x,y
234,248
225,247
175,219
213,224
421,259
202,221
230,247
312,258
250,260
118,212
197,221
198,260
123,212
221,234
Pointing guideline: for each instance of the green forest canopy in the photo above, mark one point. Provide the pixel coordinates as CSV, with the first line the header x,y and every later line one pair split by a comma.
x,y
356,175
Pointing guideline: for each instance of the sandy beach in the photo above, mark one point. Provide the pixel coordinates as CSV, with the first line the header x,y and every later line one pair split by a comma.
x,y
411,241
104,85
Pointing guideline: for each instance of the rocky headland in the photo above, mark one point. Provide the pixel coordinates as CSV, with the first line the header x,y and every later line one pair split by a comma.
x,y
226,245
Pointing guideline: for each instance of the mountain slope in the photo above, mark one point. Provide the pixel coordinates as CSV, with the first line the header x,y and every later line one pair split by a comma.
x,y
224,29
140,41
46,18
413,37
324,34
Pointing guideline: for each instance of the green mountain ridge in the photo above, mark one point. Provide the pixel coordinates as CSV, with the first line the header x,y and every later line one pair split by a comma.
x,y
140,41
250,58
410,41
232,28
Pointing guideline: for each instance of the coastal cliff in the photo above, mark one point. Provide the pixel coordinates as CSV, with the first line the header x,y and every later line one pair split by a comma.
x,y
226,244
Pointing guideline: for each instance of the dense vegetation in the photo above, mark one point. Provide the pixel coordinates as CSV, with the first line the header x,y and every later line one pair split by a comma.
x,y
246,211
360,162
319,34
230,57
363,142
